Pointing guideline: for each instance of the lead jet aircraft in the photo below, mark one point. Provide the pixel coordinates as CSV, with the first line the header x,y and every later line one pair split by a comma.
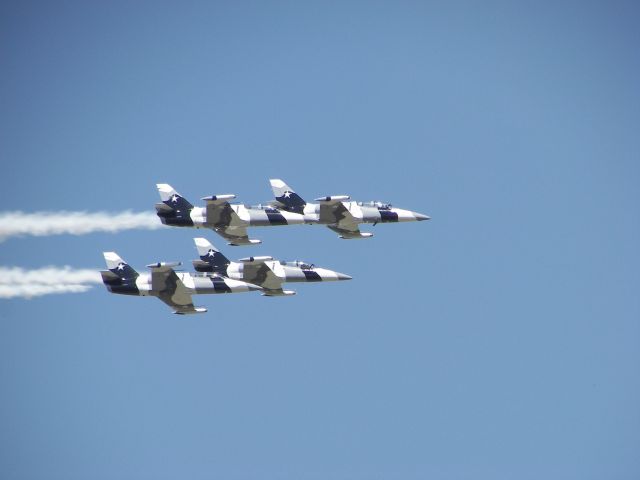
x,y
227,219
339,213
266,272
173,288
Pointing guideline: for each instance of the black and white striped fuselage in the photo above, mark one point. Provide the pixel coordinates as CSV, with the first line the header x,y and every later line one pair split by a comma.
x,y
361,213
313,214
284,272
193,284
246,217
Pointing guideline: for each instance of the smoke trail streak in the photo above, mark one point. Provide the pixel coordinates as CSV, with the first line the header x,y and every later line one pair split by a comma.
x,y
14,224
30,291
18,282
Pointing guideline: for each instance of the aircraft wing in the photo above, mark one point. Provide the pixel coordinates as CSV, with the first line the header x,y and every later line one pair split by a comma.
x,y
171,290
277,292
348,231
339,219
183,309
334,212
235,235
219,211
224,220
262,275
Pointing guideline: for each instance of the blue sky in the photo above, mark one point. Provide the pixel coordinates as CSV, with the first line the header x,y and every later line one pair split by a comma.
x,y
498,340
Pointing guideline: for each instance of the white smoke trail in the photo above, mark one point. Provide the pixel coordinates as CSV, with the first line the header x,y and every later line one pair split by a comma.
x,y
30,291
18,282
13,224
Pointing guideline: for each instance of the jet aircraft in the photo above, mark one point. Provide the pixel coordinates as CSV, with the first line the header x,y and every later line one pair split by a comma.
x,y
264,271
173,288
339,213
227,219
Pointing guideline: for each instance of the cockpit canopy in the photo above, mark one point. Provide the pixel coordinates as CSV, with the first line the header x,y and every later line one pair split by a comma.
x,y
299,264
376,204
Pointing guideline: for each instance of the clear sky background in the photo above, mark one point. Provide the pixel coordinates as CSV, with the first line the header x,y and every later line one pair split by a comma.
x,y
500,340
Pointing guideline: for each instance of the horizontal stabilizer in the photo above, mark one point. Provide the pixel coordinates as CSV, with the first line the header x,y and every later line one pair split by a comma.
x,y
202,267
108,275
163,208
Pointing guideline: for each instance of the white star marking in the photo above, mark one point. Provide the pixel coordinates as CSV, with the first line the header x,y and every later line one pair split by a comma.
x,y
120,266
211,253
174,199
287,194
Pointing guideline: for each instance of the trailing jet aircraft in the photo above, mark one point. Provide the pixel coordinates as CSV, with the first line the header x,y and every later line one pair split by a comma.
x,y
338,213
228,220
173,288
266,272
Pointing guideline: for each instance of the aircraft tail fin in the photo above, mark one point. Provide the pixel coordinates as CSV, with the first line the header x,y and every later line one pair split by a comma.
x,y
171,198
117,265
119,277
211,259
286,196
174,209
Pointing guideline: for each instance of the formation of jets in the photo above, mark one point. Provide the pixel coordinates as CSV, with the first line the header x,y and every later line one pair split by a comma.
x,y
230,220
214,273
173,288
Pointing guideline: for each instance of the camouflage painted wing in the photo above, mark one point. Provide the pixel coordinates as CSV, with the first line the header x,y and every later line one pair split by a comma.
x,y
235,235
261,274
172,291
223,219
348,231
339,219
278,292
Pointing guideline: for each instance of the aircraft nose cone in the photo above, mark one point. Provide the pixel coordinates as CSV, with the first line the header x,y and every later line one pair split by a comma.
x,y
421,217
342,276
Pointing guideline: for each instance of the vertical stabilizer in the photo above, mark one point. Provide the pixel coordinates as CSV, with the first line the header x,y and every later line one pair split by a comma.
x,y
284,194
172,198
211,259
175,209
120,277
